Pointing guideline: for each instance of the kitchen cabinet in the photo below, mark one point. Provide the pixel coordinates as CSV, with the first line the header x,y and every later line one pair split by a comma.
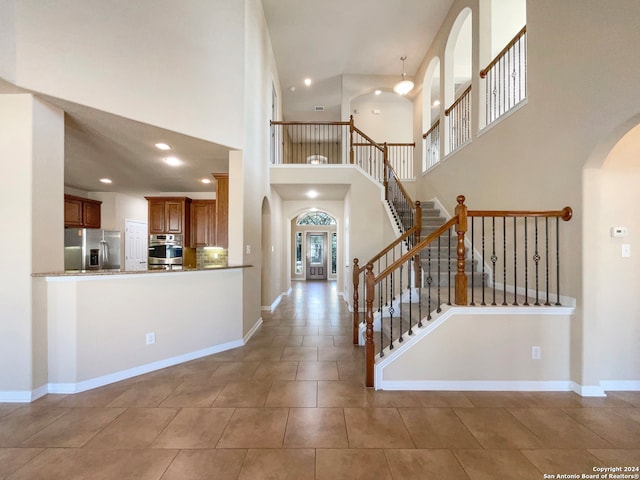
x,y
203,223
170,215
81,212
222,209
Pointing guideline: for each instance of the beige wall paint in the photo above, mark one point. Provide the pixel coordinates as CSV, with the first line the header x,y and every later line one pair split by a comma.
x,y
393,122
474,348
123,57
190,312
32,159
8,40
616,280
542,148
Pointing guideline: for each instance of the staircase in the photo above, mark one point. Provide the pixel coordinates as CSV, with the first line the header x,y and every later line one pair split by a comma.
x,y
441,253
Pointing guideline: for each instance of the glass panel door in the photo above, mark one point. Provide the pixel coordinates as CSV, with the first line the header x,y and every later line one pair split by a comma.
x,y
316,256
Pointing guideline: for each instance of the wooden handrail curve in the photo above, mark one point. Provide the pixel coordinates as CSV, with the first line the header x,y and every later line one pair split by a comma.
x,y
503,52
458,100
435,125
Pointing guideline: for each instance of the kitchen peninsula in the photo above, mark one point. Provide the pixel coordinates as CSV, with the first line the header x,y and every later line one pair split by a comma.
x,y
106,326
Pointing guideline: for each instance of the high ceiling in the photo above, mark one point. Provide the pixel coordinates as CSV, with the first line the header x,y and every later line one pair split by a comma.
x,y
322,40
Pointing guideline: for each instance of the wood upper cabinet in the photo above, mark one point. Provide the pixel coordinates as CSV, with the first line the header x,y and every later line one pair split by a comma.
x,y
81,212
170,215
203,223
222,209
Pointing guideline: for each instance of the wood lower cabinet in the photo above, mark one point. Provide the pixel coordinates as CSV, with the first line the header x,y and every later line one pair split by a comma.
x,y
170,215
203,223
81,212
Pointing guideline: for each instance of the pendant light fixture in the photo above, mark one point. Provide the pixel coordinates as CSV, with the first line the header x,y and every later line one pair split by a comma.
x,y
404,86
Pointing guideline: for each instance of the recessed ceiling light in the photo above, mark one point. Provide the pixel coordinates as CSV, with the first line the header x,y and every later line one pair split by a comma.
x,y
173,161
163,146
205,180
292,88
105,180
307,81
436,103
378,92
312,194
313,209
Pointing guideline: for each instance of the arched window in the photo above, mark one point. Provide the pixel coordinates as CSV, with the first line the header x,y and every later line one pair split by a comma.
x,y
316,218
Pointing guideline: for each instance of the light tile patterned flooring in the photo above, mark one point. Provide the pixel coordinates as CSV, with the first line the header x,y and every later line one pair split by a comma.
x,y
292,405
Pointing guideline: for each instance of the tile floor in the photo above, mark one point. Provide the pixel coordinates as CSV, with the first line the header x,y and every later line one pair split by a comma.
x,y
291,405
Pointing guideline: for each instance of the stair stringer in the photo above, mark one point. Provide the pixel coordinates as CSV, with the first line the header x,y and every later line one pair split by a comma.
x,y
549,327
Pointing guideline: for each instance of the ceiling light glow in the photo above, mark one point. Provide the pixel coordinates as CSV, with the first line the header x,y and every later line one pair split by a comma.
x,y
312,194
307,81
205,181
163,146
404,86
105,180
173,161
436,103
378,92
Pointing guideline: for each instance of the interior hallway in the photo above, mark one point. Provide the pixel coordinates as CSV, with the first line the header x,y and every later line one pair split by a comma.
x,y
292,405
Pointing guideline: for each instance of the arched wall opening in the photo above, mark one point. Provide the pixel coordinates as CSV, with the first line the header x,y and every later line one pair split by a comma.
x,y
267,296
457,63
431,108
611,264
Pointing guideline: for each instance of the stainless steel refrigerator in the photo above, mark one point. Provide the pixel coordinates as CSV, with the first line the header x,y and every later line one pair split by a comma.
x,y
91,249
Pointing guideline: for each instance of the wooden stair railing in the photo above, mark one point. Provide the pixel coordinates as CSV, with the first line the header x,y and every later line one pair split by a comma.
x,y
461,222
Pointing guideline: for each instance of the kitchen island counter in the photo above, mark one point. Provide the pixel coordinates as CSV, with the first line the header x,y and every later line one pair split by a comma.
x,y
106,326
89,273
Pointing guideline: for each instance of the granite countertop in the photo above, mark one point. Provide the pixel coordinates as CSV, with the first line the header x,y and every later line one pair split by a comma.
x,y
83,273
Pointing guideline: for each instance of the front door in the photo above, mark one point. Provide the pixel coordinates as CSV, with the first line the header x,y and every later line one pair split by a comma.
x,y
317,256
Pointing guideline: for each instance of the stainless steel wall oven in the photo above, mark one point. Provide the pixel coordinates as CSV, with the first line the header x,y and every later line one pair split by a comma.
x,y
165,251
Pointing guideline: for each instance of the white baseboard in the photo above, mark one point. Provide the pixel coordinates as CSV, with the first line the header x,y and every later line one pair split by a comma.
x,y
479,385
142,369
620,385
23,396
250,333
588,390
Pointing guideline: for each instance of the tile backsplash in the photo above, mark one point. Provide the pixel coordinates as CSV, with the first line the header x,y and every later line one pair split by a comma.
x,y
211,257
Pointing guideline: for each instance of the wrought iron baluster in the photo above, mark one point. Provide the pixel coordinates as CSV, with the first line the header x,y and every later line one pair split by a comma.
x,y
379,286
438,309
494,258
449,267
429,282
504,260
546,232
536,259
515,263
484,280
400,339
411,287
472,265
526,264
391,312
558,261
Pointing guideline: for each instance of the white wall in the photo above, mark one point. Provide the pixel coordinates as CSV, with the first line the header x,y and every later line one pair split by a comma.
x,y
469,348
155,61
191,313
392,124
7,40
31,159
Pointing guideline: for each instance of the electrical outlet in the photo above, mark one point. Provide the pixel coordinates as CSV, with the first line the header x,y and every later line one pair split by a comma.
x,y
151,338
535,353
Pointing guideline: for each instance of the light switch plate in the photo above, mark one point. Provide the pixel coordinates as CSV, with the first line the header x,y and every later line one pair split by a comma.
x,y
626,250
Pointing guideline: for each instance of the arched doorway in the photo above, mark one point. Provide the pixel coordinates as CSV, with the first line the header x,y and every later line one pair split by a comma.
x,y
315,245
610,265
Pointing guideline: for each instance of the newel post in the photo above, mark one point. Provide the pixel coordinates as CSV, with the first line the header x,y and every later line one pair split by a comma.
x,y
351,127
356,313
369,346
461,228
418,224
